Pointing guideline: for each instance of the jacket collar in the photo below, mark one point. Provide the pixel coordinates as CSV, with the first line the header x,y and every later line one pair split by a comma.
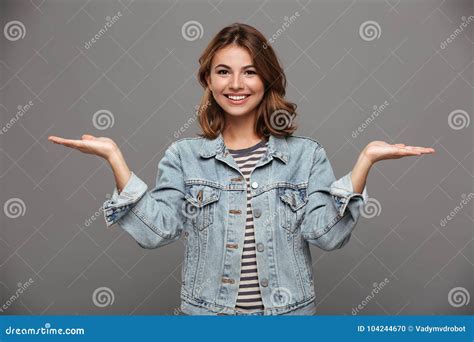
x,y
277,147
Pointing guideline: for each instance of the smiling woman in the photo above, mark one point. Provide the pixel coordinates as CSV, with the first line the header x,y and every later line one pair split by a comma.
x,y
248,195
243,78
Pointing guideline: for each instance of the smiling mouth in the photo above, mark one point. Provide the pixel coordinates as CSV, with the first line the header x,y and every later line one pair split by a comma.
x,y
236,97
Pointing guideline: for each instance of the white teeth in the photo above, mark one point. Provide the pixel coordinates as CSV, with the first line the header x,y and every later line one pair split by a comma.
x,y
236,98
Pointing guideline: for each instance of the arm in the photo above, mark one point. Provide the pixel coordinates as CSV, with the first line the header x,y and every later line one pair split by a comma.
x,y
333,207
360,172
153,218
120,169
328,224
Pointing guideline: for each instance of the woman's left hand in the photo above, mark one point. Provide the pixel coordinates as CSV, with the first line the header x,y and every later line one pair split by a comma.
x,y
380,150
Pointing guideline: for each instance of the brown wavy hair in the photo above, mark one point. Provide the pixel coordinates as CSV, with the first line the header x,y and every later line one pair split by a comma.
x,y
275,115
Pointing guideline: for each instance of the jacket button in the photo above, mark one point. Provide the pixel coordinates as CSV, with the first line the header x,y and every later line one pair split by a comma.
x,y
260,247
254,185
228,280
264,282
234,211
232,245
257,213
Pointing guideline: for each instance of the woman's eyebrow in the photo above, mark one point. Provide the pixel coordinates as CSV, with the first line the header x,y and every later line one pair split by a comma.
x,y
228,67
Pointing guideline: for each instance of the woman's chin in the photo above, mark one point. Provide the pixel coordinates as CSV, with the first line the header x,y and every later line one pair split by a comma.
x,y
237,113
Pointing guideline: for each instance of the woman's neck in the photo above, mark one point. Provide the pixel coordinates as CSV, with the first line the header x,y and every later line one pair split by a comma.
x,y
239,132
237,141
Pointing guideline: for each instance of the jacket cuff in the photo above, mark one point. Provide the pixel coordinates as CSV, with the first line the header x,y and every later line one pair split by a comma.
x,y
343,192
119,204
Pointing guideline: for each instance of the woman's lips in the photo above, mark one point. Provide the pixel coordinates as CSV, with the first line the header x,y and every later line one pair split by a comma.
x,y
237,102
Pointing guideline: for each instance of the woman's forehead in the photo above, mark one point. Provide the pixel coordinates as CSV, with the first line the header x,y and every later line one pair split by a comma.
x,y
232,55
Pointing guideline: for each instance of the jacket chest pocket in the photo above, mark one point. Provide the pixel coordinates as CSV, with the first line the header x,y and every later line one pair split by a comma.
x,y
200,203
292,202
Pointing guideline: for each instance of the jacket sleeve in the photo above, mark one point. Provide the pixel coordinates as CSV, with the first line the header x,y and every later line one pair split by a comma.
x,y
333,208
153,218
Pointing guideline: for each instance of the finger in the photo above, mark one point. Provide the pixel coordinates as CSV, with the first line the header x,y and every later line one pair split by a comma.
x,y
56,140
425,149
409,152
88,137
421,149
416,151
68,142
73,143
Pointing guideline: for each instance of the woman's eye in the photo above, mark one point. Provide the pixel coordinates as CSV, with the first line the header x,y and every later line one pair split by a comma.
x,y
225,72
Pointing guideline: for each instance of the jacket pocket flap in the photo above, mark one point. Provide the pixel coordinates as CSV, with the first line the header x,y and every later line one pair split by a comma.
x,y
201,195
295,198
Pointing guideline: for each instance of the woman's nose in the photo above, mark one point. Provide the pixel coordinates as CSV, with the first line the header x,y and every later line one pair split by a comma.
x,y
236,82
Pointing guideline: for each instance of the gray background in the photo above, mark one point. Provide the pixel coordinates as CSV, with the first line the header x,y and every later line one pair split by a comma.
x,y
143,71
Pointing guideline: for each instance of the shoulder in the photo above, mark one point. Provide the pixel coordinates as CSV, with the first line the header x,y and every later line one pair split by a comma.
x,y
184,145
299,141
306,148
188,141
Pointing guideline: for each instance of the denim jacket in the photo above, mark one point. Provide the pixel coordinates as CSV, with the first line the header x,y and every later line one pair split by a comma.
x,y
201,193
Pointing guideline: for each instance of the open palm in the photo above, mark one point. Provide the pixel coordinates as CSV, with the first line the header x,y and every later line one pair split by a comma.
x,y
380,150
100,146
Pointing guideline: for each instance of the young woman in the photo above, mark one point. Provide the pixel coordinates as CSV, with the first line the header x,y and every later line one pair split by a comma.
x,y
248,195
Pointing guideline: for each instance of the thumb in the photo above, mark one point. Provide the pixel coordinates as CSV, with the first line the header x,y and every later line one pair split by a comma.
x,y
88,137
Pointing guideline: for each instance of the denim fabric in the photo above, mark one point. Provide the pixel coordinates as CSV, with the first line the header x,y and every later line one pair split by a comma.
x,y
200,194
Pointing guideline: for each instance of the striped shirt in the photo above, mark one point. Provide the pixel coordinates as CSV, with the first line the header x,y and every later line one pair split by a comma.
x,y
249,298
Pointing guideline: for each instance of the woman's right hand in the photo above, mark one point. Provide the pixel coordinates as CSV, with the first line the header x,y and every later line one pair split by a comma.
x,y
100,146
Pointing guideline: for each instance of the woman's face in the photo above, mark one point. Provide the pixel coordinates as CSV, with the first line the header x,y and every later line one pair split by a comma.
x,y
234,82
